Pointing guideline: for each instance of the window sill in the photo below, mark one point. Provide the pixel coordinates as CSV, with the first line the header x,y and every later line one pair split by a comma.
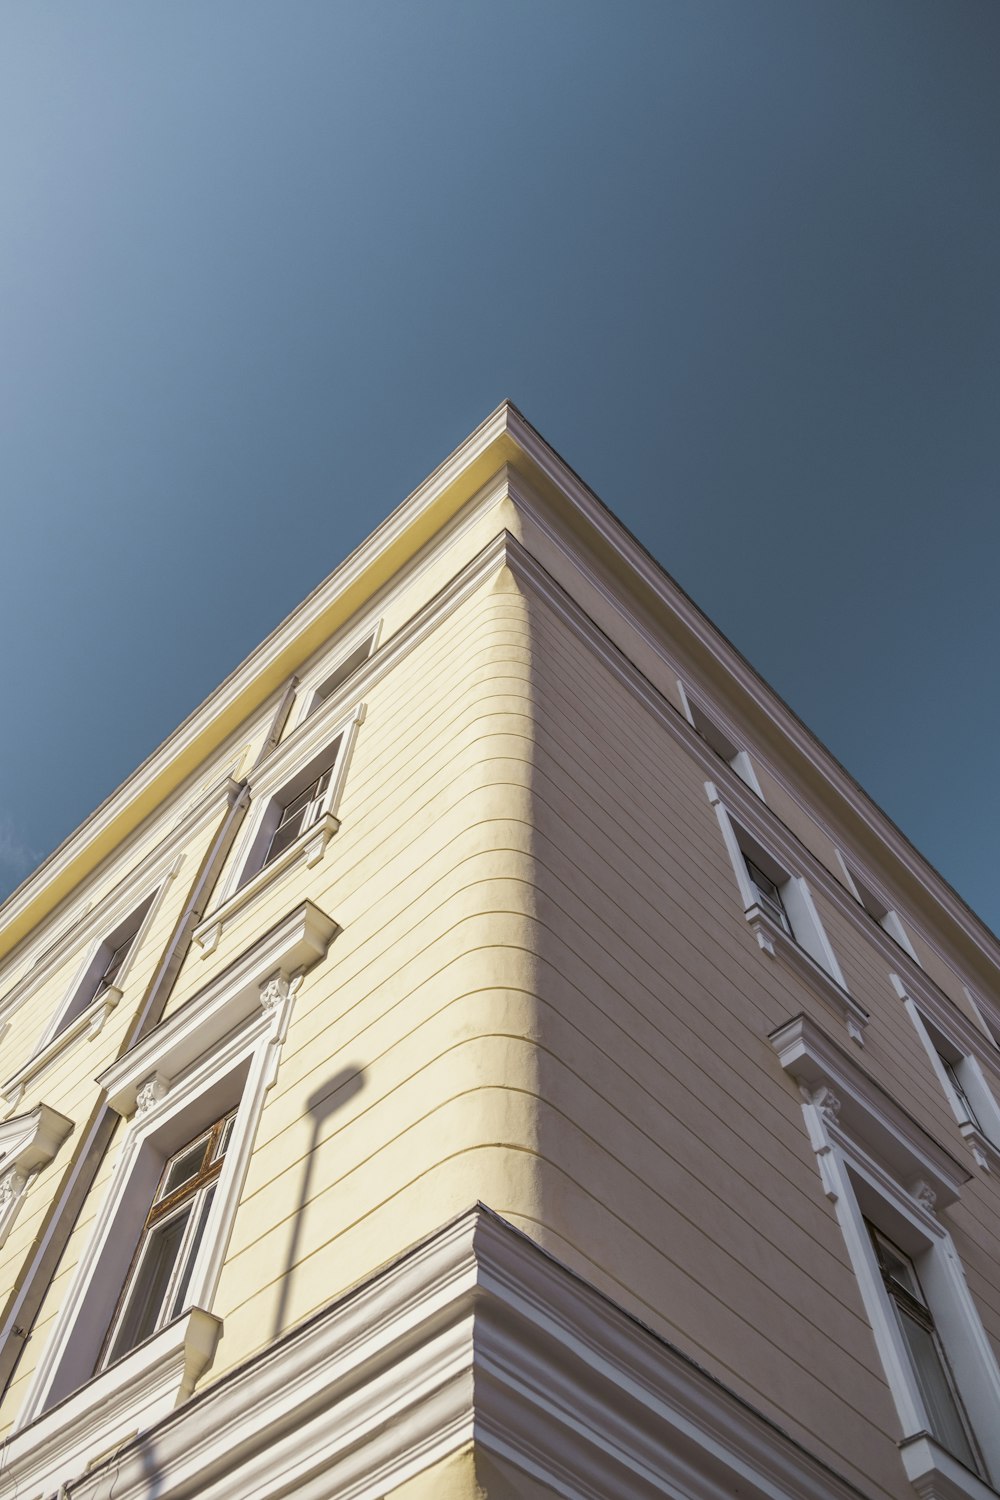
x,y
935,1475
773,939
90,1021
308,849
136,1392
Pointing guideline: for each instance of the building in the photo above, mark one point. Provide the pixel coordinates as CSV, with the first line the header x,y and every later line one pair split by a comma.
x,y
492,1049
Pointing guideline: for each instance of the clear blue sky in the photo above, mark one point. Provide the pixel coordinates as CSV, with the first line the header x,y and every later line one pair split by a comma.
x,y
262,265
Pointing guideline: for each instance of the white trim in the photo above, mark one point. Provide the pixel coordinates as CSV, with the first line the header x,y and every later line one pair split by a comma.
x,y
229,1034
877,905
474,1336
266,781
27,1144
312,680
404,528
865,1112
807,948
720,737
132,1395
983,1133
228,1001
865,1143
46,949
56,1039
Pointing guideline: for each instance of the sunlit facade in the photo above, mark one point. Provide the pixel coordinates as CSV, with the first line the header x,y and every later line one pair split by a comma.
x,y
492,1049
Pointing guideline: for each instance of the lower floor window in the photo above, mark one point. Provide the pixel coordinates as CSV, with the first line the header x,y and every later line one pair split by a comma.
x,y
158,1280
930,1364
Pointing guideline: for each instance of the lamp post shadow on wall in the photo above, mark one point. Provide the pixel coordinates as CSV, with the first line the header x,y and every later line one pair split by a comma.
x,y
322,1103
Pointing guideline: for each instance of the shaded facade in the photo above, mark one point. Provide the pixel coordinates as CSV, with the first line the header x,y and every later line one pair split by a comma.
x,y
491,1048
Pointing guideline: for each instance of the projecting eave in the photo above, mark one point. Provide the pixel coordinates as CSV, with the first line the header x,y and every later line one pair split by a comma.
x,y
505,440
325,611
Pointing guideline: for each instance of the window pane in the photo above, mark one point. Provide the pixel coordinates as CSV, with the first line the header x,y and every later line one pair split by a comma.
x,y
192,1253
935,1388
151,1282
183,1168
767,894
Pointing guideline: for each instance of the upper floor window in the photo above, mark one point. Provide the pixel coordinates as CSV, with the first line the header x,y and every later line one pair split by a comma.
x,y
106,964
781,913
879,910
768,894
888,1180
719,739
962,1080
300,811
345,668
301,805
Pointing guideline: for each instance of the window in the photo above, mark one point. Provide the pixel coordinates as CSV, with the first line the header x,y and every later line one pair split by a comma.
x,y
106,965
134,1330
719,740
300,811
780,911
879,909
948,1422
301,805
345,668
768,894
962,1080
888,1180
157,1285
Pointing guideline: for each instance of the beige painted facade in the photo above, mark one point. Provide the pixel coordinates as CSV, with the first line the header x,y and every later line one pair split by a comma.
x,y
528,976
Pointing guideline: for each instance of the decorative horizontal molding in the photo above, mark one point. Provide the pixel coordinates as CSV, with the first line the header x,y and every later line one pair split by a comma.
x,y
288,949
475,1335
132,1395
775,941
711,641
858,1111
30,1141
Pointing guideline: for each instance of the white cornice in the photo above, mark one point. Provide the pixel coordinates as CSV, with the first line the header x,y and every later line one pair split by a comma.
x,y
290,947
505,437
474,1335
864,1114
30,1141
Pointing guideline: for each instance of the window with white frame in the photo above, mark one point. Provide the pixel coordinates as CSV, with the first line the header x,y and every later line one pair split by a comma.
x,y
340,673
879,910
776,900
157,1284
889,1182
719,740
134,1329
106,963
963,1083
296,808
933,1375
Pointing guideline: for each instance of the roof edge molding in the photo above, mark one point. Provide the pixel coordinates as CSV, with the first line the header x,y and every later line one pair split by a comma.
x,y
571,513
